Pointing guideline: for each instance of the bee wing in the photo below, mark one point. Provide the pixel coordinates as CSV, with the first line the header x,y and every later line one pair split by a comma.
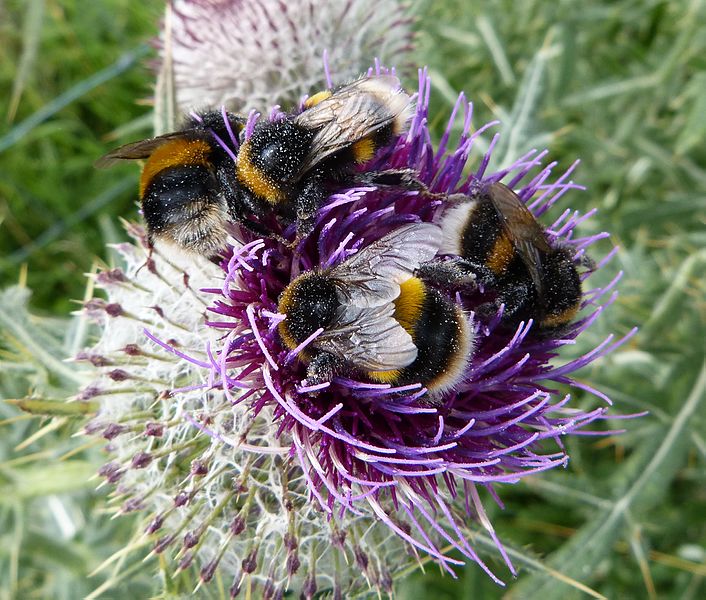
x,y
350,114
136,150
369,338
524,231
372,276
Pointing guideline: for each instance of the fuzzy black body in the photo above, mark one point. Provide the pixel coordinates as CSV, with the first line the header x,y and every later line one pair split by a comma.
x,y
181,185
267,173
276,149
562,289
504,247
181,204
269,166
310,302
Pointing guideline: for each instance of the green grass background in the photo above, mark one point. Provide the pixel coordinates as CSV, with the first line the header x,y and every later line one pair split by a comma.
x,y
620,84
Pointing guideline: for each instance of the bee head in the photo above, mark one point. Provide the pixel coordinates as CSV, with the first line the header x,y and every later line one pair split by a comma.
x,y
310,302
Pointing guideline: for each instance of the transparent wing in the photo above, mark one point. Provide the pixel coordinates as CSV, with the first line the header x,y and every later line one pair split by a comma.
x,y
372,276
350,114
368,338
136,150
524,231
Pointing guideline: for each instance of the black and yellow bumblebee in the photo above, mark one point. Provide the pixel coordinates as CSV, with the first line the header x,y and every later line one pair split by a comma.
x,y
182,193
191,189
376,320
287,166
501,245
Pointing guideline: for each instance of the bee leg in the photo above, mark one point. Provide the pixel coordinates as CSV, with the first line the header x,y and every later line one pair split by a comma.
x,y
240,202
262,231
310,198
448,273
517,298
584,260
391,177
407,179
323,367
457,272
587,262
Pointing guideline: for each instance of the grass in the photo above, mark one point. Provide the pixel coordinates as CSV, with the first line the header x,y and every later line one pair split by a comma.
x,y
618,84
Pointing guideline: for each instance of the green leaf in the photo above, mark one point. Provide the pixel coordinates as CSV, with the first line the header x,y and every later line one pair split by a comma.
x,y
55,408
126,61
48,478
30,339
30,38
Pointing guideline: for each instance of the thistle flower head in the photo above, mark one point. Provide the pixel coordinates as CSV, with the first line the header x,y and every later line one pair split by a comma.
x,y
213,431
247,55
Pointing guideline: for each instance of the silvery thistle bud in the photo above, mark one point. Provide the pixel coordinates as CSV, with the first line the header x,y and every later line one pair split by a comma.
x,y
251,55
239,467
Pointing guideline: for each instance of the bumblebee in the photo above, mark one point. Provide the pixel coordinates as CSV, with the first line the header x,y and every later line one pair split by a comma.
x,y
182,182
285,166
502,246
374,318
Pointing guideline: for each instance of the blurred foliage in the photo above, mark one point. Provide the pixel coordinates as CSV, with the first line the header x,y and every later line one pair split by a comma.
x,y
75,72
617,83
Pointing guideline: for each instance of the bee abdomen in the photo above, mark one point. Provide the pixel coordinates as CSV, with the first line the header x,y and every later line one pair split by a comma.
x,y
562,293
182,205
178,194
439,330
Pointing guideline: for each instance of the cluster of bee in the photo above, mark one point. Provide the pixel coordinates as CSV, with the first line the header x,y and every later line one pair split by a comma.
x,y
388,313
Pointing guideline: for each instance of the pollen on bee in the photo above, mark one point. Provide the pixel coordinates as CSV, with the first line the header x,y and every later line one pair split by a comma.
x,y
363,150
316,98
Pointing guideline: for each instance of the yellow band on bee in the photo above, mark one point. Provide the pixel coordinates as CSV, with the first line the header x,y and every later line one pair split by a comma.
x,y
501,255
285,304
408,305
560,318
287,338
174,153
408,308
384,376
363,150
254,179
